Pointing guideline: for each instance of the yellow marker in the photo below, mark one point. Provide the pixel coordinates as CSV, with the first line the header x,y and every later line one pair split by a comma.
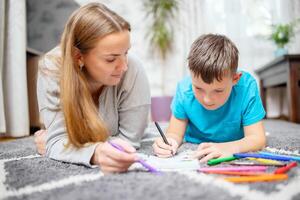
x,y
268,161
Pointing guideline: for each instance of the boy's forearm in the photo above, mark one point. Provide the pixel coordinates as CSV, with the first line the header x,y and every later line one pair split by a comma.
x,y
249,143
175,137
176,129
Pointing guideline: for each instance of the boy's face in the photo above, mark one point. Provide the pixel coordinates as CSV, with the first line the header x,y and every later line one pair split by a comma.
x,y
214,95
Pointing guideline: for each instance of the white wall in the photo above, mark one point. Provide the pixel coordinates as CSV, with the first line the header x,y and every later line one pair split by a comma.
x,y
244,22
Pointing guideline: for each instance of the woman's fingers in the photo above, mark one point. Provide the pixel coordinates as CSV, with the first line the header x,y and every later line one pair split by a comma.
x,y
125,145
110,169
40,141
41,150
39,132
117,154
109,162
106,152
111,159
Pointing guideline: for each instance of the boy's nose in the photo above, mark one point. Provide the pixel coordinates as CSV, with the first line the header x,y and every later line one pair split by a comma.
x,y
206,100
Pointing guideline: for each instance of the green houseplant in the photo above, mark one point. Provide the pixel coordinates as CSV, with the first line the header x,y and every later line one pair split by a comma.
x,y
160,32
282,35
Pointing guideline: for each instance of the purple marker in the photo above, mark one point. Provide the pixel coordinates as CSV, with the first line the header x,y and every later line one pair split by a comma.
x,y
141,161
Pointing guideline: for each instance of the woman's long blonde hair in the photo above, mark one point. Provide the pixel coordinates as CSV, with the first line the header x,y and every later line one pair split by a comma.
x,y
84,28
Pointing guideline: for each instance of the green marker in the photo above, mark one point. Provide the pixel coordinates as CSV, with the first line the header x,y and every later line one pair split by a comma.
x,y
220,160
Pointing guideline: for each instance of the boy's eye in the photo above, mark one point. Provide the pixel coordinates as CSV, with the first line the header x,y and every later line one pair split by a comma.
x,y
219,91
199,89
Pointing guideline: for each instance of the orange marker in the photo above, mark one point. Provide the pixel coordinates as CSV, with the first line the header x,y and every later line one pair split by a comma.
x,y
286,168
237,173
266,177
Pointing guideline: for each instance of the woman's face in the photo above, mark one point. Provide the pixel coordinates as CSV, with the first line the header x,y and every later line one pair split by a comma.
x,y
107,62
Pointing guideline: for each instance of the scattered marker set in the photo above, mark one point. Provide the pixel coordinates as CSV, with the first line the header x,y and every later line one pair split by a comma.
x,y
252,167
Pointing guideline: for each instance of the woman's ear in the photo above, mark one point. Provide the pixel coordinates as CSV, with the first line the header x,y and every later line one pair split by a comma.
x,y
78,57
236,77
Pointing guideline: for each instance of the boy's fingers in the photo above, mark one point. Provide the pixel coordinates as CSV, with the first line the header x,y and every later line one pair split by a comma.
x,y
161,152
161,144
203,145
164,156
174,145
210,156
200,153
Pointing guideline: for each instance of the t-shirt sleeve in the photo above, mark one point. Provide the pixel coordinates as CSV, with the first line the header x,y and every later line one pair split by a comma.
x,y
177,106
253,110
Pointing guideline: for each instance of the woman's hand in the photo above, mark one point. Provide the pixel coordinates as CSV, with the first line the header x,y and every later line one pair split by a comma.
x,y
207,151
163,150
40,141
111,159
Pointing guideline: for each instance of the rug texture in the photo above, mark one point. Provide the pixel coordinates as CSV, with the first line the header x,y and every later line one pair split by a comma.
x,y
26,175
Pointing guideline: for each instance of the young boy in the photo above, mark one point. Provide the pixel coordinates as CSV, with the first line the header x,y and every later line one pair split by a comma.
x,y
217,106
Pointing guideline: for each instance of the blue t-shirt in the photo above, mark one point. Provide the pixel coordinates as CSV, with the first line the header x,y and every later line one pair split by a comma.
x,y
243,108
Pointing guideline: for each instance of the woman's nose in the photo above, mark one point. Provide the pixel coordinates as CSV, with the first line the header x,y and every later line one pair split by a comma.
x,y
123,62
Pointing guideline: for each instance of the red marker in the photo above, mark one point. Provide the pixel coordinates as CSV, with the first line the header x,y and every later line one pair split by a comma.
x,y
286,168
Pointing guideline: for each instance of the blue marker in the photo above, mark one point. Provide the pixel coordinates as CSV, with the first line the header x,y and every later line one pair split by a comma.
x,y
286,156
256,155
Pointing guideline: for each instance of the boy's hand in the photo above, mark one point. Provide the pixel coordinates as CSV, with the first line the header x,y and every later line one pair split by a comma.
x,y
163,150
207,151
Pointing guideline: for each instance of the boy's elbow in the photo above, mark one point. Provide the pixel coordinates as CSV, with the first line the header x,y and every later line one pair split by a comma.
x,y
262,142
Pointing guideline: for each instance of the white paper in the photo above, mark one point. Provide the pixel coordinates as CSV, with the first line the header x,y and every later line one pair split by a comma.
x,y
179,162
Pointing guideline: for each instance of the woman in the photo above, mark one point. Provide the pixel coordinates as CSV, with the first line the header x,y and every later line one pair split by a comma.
x,y
89,89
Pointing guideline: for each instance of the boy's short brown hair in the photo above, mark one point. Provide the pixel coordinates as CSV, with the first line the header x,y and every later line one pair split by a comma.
x,y
213,56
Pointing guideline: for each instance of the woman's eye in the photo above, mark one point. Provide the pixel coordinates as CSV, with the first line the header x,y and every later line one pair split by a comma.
x,y
219,91
110,60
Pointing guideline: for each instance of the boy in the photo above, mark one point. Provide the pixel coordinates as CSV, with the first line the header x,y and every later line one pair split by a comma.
x,y
217,106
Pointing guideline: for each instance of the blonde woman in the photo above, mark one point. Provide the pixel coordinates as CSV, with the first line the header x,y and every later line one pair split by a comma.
x,y
90,90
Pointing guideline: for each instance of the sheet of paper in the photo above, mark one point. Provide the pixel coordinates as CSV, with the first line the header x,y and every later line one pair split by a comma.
x,y
179,162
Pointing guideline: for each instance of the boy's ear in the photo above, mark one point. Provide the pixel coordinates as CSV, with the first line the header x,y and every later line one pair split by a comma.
x,y
236,77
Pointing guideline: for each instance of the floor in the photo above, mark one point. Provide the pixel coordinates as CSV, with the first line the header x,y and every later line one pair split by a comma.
x,y
26,175
5,139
